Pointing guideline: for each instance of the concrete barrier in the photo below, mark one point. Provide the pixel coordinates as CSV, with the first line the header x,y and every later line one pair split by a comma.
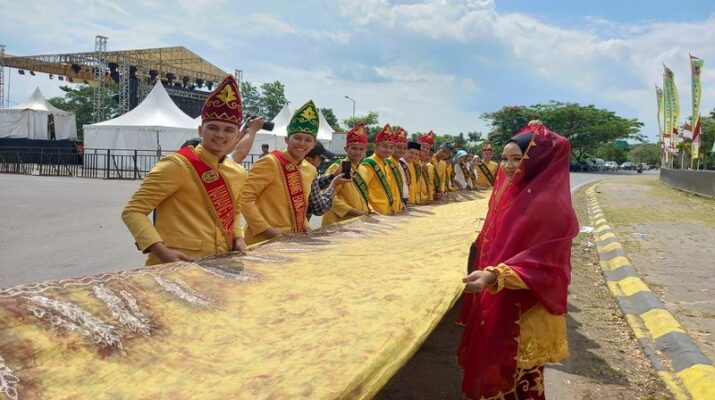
x,y
700,182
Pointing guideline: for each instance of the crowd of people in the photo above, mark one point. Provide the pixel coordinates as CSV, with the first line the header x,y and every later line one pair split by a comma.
x,y
519,265
199,194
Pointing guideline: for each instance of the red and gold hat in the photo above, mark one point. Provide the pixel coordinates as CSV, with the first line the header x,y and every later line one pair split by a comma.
x,y
427,138
224,103
385,135
401,136
357,135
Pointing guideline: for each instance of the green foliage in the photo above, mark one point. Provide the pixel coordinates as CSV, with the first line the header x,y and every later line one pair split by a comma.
x,y
586,127
611,152
707,137
331,119
648,153
268,100
273,98
78,100
371,121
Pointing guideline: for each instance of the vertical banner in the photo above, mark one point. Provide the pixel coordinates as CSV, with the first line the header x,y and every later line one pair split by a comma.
x,y
661,113
667,109
696,65
674,106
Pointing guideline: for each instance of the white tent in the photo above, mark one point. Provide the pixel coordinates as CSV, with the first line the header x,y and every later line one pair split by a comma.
x,y
156,123
29,120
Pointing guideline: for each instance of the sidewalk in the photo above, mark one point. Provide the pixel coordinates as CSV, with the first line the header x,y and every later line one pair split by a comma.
x,y
656,248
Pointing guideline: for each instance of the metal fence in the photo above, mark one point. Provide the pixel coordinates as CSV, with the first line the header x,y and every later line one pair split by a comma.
x,y
87,163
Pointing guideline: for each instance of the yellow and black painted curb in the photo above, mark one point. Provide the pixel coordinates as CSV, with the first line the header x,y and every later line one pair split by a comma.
x,y
686,371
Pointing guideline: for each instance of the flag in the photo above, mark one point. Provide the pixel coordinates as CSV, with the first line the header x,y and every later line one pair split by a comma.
x,y
661,114
674,104
696,65
667,110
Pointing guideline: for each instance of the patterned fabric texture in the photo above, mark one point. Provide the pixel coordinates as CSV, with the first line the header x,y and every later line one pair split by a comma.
x,y
307,317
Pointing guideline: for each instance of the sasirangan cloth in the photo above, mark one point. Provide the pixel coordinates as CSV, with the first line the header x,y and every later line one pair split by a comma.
x,y
329,315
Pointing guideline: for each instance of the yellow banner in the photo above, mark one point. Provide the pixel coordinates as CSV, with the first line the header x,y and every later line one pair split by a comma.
x,y
696,65
333,314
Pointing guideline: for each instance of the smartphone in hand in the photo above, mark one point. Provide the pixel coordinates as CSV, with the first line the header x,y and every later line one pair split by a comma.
x,y
346,167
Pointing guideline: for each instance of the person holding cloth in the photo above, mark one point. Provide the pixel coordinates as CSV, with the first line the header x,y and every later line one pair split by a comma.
x,y
352,199
195,193
380,180
275,200
520,269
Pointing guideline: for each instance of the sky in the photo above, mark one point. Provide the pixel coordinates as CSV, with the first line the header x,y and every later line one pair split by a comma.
x,y
430,64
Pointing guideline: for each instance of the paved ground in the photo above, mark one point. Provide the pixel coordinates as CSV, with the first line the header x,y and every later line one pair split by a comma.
x,y
670,239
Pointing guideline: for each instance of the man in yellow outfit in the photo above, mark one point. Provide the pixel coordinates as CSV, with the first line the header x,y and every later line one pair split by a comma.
x,y
486,168
379,177
414,171
275,200
427,188
440,170
195,193
352,199
402,174
449,172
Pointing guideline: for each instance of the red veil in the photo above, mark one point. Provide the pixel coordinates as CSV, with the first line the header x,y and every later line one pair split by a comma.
x,y
529,227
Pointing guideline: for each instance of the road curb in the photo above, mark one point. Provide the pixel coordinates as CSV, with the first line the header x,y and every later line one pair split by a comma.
x,y
686,371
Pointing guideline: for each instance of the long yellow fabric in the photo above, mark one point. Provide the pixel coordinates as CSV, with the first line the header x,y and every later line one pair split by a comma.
x,y
328,315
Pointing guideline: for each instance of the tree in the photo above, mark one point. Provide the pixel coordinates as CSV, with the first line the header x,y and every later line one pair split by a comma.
x,y
331,119
79,100
648,153
273,98
251,99
611,152
586,127
371,121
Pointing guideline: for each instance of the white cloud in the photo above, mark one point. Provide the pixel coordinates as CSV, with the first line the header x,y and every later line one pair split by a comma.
x,y
597,60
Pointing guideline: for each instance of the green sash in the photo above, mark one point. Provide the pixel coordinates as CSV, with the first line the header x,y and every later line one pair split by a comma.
x,y
396,172
437,181
380,177
485,170
359,183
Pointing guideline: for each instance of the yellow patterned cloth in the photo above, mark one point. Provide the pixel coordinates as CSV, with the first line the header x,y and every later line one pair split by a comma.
x,y
329,315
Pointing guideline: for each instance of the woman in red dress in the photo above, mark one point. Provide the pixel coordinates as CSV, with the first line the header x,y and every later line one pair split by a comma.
x,y
515,296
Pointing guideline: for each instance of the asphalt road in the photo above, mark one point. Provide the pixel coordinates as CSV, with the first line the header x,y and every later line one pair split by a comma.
x,y
55,228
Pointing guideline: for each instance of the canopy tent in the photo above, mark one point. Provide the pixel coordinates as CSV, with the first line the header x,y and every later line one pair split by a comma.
x,y
155,124
36,118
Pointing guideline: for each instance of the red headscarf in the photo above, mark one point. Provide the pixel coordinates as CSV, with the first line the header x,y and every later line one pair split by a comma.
x,y
529,227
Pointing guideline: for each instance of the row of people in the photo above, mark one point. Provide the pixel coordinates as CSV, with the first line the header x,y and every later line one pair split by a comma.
x,y
198,195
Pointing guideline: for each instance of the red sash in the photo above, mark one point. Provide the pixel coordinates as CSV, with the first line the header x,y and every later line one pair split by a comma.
x,y
215,191
294,183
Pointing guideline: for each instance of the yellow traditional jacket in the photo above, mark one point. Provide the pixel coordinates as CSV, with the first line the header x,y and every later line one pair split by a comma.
x,y
397,206
427,187
347,197
183,221
449,172
542,337
482,181
440,168
265,201
378,198
416,183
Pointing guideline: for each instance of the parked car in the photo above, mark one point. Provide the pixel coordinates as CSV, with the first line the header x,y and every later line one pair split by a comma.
x,y
611,165
581,166
628,166
596,164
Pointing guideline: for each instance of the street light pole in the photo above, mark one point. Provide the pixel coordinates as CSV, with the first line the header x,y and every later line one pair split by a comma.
x,y
351,99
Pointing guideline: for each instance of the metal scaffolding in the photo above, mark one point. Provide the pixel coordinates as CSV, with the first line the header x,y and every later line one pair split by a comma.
x,y
100,66
124,85
185,75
